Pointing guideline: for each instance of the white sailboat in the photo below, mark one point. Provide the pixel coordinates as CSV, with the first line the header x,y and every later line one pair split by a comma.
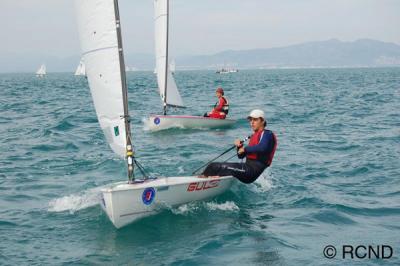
x,y
166,83
80,70
41,71
172,66
125,202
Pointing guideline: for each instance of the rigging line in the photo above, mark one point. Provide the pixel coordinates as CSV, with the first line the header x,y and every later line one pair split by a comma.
x,y
141,169
231,157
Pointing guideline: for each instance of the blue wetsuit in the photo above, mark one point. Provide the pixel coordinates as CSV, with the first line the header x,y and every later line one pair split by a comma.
x,y
256,160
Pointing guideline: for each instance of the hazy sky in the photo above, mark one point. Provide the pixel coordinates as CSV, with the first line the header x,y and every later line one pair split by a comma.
x,y
202,26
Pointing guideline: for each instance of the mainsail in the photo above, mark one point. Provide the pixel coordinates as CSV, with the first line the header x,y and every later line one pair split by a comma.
x,y
80,70
102,53
166,83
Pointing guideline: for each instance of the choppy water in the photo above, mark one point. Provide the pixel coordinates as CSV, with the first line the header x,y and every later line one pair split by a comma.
x,y
335,178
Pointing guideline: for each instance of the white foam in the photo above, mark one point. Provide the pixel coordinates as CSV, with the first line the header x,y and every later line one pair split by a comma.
x,y
76,202
186,208
264,182
146,124
180,170
227,206
210,206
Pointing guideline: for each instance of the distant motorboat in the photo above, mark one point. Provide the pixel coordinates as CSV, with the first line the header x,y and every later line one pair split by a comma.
x,y
227,70
41,71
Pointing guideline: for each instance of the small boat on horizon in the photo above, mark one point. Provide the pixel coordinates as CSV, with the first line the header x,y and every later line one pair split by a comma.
x,y
226,70
80,70
41,72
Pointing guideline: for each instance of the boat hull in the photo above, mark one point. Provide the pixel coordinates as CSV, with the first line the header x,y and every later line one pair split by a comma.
x,y
161,122
125,203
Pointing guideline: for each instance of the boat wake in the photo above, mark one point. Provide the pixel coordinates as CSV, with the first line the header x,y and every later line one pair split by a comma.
x,y
76,202
264,182
193,207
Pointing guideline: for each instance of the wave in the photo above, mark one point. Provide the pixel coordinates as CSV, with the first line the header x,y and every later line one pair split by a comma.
x,y
76,202
193,207
264,182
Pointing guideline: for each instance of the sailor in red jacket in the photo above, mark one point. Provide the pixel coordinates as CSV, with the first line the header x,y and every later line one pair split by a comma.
x,y
259,153
221,108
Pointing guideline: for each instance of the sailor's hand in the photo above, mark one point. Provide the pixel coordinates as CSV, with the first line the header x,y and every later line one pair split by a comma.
x,y
241,150
238,143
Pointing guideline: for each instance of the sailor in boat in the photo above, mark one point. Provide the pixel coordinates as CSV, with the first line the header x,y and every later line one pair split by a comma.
x,y
221,108
259,153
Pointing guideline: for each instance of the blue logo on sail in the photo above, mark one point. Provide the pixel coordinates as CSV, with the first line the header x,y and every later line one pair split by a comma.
x,y
148,195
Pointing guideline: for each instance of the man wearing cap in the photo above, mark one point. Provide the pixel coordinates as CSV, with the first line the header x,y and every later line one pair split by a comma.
x,y
221,108
259,153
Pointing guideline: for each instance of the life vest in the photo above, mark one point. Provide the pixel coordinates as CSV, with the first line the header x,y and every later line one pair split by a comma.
x,y
225,107
265,158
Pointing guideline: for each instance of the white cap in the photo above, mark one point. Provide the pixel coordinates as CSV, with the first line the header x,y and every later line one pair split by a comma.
x,y
257,113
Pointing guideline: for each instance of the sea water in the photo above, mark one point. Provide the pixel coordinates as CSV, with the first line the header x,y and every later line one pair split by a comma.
x,y
335,179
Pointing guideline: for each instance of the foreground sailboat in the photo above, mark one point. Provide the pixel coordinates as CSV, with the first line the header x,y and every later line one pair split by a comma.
x,y
125,202
166,83
41,71
80,70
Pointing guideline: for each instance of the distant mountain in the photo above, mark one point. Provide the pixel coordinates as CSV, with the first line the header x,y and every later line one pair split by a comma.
x,y
330,53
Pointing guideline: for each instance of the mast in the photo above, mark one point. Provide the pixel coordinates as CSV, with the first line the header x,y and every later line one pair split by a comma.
x,y
166,61
129,150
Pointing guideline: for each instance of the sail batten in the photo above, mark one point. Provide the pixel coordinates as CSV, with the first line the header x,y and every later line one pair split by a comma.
x,y
97,25
166,83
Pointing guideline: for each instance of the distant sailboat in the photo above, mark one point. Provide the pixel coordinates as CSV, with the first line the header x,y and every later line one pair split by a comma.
x,y
124,202
166,82
172,66
41,71
80,70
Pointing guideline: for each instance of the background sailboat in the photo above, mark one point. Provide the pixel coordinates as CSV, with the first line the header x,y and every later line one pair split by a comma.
x,y
41,71
80,70
172,66
169,92
124,202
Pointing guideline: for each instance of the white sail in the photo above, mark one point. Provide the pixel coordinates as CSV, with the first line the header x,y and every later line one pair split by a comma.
x,y
42,70
80,70
99,44
165,80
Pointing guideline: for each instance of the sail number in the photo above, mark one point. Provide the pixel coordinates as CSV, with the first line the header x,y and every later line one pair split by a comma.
x,y
196,186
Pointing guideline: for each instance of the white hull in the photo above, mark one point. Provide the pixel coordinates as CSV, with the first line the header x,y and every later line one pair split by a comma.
x,y
161,122
124,203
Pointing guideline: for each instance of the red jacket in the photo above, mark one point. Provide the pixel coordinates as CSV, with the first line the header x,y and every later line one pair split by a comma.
x,y
262,146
